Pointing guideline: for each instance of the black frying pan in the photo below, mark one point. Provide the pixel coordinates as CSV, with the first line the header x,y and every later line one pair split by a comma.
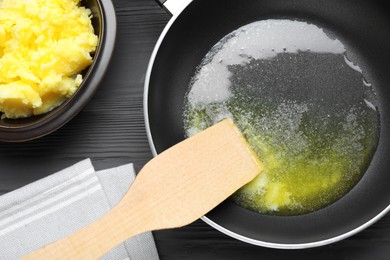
x,y
363,24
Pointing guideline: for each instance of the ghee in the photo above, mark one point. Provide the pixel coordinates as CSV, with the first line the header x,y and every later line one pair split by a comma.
x,y
44,45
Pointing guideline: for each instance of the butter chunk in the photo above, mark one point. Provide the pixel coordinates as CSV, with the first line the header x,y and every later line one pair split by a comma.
x,y
18,99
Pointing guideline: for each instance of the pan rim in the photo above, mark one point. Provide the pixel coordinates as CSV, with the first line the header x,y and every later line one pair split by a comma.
x,y
205,218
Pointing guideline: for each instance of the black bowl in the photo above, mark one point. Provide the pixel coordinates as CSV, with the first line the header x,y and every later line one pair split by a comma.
x,y
104,23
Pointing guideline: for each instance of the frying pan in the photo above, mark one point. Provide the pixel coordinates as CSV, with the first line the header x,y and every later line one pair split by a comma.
x,y
198,25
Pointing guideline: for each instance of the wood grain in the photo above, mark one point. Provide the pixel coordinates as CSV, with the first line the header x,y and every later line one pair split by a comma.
x,y
110,131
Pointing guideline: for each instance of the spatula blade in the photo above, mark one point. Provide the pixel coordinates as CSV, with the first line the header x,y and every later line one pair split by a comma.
x,y
186,181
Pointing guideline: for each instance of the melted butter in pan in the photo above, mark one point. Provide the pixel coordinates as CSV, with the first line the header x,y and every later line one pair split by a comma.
x,y
302,104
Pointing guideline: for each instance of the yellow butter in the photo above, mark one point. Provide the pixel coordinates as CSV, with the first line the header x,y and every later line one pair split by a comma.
x,y
44,44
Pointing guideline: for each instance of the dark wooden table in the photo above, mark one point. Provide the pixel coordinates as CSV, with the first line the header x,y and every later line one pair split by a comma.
x,y
110,131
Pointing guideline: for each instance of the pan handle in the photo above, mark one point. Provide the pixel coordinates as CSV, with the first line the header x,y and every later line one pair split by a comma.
x,y
173,6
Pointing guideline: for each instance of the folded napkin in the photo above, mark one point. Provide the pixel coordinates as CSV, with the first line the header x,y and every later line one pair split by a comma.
x,y
62,203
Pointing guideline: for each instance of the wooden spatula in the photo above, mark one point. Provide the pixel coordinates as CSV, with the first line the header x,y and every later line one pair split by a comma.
x,y
174,189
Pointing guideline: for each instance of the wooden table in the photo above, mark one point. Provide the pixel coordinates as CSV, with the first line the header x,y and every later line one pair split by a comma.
x,y
110,131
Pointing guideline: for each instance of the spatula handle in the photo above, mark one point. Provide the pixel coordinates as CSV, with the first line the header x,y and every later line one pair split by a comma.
x,y
94,240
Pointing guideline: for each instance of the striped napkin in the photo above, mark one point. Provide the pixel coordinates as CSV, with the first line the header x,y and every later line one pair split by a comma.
x,y
62,203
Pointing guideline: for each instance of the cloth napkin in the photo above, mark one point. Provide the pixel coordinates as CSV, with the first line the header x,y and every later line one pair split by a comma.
x,y
62,203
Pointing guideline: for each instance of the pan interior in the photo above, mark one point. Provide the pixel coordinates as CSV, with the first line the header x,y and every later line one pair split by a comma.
x,y
303,106
362,26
